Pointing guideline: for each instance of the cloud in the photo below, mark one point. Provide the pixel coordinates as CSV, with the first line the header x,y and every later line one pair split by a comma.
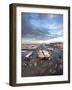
x,y
55,26
38,26
51,16
26,41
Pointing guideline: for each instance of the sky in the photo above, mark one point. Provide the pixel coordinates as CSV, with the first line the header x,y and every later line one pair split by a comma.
x,y
41,26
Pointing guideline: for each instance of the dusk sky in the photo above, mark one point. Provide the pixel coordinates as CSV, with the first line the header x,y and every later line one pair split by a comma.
x,y
41,26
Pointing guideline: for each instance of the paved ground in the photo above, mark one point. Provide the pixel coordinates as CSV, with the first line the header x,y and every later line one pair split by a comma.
x,y
33,66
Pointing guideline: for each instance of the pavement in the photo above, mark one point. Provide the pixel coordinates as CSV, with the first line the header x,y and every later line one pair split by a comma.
x,y
33,66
